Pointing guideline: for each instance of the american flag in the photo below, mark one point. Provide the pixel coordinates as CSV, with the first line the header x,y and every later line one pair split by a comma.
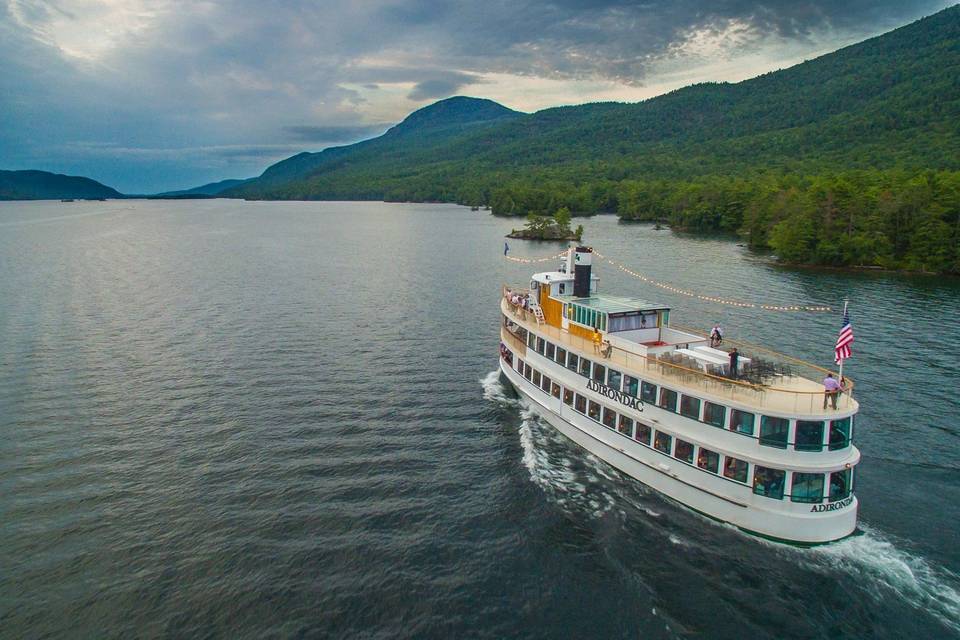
x,y
845,339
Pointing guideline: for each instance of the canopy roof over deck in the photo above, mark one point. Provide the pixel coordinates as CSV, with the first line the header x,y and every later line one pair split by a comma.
x,y
612,305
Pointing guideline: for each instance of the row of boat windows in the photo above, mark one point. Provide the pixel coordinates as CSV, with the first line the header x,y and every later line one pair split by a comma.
x,y
808,435
766,481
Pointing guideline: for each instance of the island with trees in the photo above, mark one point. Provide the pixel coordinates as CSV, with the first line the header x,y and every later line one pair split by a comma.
x,y
555,227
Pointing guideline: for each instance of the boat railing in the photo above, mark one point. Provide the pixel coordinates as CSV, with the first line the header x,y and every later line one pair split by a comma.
x,y
775,394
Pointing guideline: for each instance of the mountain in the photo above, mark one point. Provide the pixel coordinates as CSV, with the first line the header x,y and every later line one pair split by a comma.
x,y
211,189
849,158
425,128
42,185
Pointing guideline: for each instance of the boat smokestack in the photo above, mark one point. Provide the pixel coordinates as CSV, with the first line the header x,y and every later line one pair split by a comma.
x,y
581,272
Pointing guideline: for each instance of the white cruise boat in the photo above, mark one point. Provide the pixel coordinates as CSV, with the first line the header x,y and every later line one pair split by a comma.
x,y
756,449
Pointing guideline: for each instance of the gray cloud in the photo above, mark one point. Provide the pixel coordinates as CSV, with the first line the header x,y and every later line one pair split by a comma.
x,y
334,133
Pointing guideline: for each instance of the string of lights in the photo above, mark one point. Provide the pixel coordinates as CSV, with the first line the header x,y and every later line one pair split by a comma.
x,y
683,292
535,260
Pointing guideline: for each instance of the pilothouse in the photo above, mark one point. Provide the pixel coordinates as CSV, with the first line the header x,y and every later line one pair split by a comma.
x,y
748,439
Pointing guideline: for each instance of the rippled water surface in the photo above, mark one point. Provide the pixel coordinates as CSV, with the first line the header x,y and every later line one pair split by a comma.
x,y
237,419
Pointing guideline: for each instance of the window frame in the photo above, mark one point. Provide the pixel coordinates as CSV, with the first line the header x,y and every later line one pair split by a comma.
x,y
696,415
664,394
704,452
669,442
815,498
810,446
678,442
641,428
734,474
766,492
782,428
735,424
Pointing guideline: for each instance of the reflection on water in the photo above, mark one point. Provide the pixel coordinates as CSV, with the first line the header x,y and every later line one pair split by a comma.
x,y
279,418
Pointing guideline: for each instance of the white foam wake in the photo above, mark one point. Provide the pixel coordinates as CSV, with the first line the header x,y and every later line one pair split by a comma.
x,y
881,568
567,484
495,391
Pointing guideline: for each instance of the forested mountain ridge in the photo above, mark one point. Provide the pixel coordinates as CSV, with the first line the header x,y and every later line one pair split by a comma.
x,y
42,185
850,158
428,127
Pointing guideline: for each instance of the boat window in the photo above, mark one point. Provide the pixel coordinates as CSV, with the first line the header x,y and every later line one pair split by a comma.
x,y
839,485
625,426
562,288
555,390
648,392
690,407
561,356
839,434
599,372
541,345
684,451
572,361
520,366
768,482
568,397
527,371
545,384
613,379
715,414
531,340
735,469
708,460
551,350
642,434
668,399
662,442
631,385
609,418
580,404
807,487
773,431
594,411
741,421
809,436
536,377
585,367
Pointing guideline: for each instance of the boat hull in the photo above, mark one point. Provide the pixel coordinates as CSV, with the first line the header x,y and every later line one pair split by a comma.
x,y
685,483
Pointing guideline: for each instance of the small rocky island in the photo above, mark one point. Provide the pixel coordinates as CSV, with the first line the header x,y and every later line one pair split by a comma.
x,y
555,227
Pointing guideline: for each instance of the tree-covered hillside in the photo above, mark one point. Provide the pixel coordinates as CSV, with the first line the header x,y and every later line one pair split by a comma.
x,y
43,185
851,158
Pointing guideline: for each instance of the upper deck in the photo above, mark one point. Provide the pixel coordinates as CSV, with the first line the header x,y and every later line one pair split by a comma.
x,y
648,346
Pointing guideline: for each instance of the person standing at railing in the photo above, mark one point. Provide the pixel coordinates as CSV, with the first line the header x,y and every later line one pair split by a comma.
x,y
716,336
597,340
734,361
831,390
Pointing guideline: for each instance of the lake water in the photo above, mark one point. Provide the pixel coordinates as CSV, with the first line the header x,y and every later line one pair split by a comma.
x,y
247,419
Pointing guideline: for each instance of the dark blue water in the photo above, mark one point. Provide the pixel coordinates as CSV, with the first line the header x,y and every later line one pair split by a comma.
x,y
233,419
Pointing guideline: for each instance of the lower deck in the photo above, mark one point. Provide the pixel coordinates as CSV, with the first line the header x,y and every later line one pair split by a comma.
x,y
720,486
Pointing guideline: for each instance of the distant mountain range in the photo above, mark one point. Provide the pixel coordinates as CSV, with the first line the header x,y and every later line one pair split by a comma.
x,y
892,101
42,185
211,189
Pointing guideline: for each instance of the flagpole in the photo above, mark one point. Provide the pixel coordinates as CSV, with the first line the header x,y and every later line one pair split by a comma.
x,y
845,302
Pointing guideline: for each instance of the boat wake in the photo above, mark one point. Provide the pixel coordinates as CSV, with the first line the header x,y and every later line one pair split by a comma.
x,y
495,391
570,483
883,570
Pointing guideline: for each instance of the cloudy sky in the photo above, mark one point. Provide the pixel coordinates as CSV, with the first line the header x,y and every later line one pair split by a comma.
x,y
149,95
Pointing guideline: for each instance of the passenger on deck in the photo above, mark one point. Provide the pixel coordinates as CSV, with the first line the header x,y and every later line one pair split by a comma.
x,y
734,361
716,336
597,338
607,348
831,390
